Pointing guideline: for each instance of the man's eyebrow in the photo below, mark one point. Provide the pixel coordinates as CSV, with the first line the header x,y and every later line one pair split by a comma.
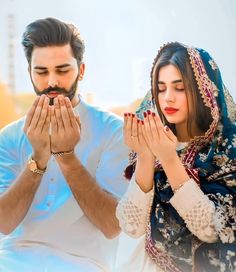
x,y
63,65
40,68
58,66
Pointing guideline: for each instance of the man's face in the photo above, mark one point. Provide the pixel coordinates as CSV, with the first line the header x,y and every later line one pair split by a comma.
x,y
54,71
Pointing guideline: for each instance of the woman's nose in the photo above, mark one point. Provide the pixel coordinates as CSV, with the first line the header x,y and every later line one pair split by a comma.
x,y
169,96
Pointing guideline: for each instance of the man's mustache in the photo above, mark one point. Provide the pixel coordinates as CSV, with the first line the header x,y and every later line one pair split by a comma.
x,y
50,89
59,91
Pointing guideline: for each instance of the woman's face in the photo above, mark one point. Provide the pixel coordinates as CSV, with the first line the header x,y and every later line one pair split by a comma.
x,y
172,96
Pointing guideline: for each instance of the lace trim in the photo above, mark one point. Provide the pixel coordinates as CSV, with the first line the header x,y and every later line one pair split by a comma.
x,y
200,220
133,219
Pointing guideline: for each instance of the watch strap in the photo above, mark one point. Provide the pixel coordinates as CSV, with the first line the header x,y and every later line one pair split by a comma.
x,y
33,166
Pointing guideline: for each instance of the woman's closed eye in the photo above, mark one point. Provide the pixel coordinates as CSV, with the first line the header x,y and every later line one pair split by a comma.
x,y
161,88
179,87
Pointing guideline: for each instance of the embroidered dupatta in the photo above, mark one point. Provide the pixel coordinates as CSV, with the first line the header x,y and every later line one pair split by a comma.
x,y
210,160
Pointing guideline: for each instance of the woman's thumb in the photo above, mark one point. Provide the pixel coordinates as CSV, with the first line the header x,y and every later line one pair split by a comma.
x,y
169,133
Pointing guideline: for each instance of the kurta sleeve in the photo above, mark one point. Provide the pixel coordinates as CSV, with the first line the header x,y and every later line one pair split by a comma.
x,y
133,210
12,139
197,210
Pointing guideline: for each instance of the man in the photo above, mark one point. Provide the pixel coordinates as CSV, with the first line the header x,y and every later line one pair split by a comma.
x,y
61,167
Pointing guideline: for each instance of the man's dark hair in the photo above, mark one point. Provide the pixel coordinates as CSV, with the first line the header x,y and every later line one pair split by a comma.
x,y
52,32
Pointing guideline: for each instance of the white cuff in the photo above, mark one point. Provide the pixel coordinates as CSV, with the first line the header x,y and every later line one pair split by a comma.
x,y
137,196
186,197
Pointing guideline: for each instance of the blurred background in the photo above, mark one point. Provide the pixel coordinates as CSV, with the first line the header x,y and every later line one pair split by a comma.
x,y
122,38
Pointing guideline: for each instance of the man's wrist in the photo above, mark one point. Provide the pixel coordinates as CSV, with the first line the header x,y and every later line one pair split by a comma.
x,y
34,166
62,153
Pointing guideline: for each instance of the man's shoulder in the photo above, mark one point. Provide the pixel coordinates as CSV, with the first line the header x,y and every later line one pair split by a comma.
x,y
101,116
14,128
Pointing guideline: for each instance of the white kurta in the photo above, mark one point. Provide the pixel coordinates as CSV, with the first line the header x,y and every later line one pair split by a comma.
x,y
55,231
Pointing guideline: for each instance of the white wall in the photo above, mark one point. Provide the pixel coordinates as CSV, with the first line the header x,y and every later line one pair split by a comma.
x,y
122,38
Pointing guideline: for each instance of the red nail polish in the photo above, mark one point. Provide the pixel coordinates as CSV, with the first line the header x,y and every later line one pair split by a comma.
x,y
145,114
142,122
133,115
138,121
125,114
167,128
153,114
129,114
148,112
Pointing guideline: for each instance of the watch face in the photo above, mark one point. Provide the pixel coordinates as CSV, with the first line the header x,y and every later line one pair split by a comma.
x,y
32,165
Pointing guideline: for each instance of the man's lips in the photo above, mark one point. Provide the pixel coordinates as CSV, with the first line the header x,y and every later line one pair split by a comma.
x,y
170,110
52,94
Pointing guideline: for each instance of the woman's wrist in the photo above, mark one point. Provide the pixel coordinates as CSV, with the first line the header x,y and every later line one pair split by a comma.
x,y
146,157
169,159
144,172
175,172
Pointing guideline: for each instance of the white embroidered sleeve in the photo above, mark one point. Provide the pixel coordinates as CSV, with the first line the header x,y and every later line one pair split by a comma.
x,y
197,211
133,210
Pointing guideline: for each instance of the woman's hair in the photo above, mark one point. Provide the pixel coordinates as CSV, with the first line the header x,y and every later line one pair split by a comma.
x,y
177,55
52,32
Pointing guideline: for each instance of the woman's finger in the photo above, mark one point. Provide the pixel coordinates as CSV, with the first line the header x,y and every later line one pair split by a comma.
x,y
134,126
153,127
129,125
147,131
169,134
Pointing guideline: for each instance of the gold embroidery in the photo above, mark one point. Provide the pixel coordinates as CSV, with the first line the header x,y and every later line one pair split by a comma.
x,y
231,107
215,90
213,64
207,90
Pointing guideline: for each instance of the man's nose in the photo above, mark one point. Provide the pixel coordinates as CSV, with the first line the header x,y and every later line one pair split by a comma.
x,y
52,81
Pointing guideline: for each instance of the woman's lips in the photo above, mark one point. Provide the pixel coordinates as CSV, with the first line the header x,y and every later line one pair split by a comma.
x,y
170,110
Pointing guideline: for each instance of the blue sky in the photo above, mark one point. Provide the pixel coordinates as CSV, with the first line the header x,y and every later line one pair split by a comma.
x,y
122,39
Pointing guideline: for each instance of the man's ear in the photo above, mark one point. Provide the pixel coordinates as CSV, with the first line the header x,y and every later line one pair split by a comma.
x,y
81,70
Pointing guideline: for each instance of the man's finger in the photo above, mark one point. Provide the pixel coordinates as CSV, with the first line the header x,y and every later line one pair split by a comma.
x,y
30,114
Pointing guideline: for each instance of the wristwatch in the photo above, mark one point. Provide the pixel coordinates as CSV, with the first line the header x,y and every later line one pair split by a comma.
x,y
32,165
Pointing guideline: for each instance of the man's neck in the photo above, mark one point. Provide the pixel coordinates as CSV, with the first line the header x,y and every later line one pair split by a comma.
x,y
75,101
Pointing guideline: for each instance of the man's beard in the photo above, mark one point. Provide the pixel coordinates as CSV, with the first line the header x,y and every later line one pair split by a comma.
x,y
67,93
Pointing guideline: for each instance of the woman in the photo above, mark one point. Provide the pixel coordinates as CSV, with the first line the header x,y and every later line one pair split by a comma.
x,y
183,191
